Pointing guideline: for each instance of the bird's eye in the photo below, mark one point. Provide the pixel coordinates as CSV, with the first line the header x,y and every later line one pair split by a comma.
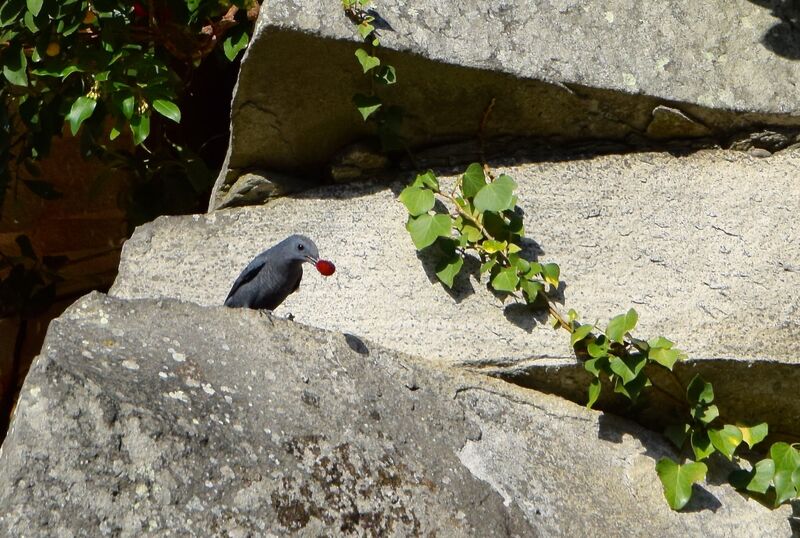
x,y
301,247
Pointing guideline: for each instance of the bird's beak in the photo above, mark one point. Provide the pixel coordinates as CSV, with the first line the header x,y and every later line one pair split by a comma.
x,y
312,260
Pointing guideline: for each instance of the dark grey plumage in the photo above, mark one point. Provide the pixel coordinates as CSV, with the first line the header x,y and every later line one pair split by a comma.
x,y
273,275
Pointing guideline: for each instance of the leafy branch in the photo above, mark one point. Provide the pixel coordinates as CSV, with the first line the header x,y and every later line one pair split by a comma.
x,y
479,217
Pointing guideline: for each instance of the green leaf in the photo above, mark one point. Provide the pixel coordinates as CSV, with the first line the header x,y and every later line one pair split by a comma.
x,y
496,196
726,439
168,109
43,189
551,273
235,43
126,105
677,434
506,280
367,105
447,270
473,181
678,480
81,110
34,6
488,265
531,288
597,366
386,75
619,325
417,200
660,342
365,29
15,64
787,460
627,368
665,357
753,435
426,228
473,234
599,347
10,11
522,265
699,391
580,333
594,392
757,480
140,127
701,445
705,413
427,179
366,60
491,246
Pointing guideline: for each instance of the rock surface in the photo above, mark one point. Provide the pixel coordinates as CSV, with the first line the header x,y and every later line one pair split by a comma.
x,y
625,70
159,417
704,247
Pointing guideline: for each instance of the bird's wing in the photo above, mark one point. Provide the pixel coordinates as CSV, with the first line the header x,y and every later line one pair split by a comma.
x,y
249,273
297,284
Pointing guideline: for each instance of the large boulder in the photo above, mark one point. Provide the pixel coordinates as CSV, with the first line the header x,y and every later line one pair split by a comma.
x,y
158,417
627,70
703,247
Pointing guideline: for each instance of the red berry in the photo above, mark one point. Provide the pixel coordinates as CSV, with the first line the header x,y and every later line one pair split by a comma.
x,y
325,267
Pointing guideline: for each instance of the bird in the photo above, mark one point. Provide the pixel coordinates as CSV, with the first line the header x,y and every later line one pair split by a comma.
x,y
273,275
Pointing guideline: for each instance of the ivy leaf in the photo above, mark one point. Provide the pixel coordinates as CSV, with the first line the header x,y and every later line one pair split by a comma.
x,y
473,181
580,333
619,325
599,347
787,460
366,60
753,435
758,480
491,246
594,392
43,189
447,270
426,228
551,273
14,65
506,280
627,368
677,434
596,366
496,196
726,439
705,413
365,29
678,480
699,391
665,357
473,234
235,43
367,105
660,342
34,6
386,75
81,110
168,109
417,200
701,445
140,127
531,288
488,265
426,179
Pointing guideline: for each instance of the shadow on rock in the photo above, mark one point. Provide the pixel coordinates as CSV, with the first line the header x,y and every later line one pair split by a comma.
x,y
525,316
356,344
784,37
462,284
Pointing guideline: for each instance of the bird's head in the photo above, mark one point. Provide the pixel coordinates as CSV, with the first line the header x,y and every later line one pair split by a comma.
x,y
300,248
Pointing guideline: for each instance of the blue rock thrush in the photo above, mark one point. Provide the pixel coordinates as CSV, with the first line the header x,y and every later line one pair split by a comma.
x,y
273,275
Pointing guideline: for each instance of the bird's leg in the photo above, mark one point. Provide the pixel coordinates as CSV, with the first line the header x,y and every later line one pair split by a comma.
x,y
290,316
265,312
